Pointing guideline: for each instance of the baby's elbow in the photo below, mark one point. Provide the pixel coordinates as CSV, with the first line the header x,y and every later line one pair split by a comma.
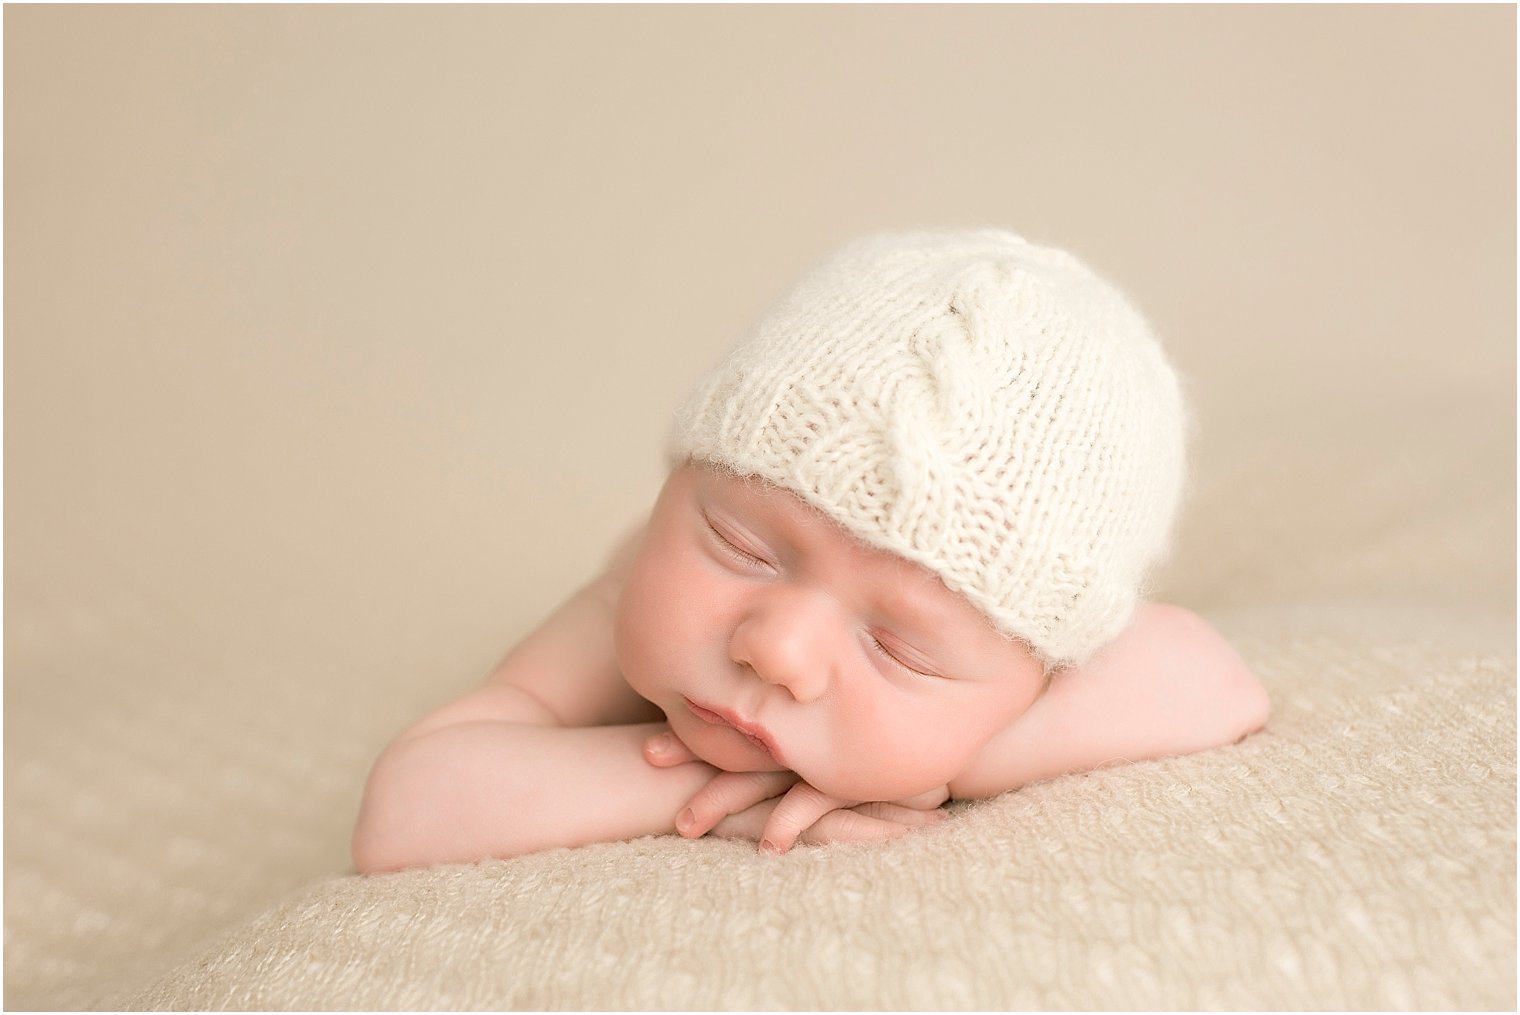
x,y
394,828
1243,697
369,851
431,800
377,844
1236,697
1249,703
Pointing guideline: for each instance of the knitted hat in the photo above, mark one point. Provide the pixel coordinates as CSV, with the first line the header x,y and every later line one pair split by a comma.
x,y
982,406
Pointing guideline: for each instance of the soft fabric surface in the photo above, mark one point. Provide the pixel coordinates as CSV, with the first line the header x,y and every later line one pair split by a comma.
x,y
294,295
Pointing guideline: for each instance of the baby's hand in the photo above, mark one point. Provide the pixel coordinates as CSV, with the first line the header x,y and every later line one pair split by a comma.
x,y
779,809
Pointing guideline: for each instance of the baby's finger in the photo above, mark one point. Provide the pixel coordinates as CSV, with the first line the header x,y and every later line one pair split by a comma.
x,y
798,811
729,793
747,824
852,826
665,750
911,817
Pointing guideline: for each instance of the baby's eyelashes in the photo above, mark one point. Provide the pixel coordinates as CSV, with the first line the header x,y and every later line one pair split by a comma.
x,y
900,656
728,545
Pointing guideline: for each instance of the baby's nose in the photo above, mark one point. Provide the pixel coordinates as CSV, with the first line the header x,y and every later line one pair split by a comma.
x,y
789,645
805,681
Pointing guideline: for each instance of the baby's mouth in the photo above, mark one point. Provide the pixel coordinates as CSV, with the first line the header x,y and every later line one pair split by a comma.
x,y
756,735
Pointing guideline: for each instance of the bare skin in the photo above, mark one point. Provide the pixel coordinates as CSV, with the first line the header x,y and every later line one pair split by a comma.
x,y
746,669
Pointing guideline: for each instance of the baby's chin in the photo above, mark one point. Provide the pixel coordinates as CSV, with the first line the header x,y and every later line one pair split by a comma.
x,y
843,786
869,786
723,750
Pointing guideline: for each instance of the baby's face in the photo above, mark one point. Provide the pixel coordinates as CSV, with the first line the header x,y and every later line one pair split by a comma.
x,y
774,640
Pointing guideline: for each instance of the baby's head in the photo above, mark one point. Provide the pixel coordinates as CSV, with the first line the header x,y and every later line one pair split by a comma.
x,y
938,469
987,408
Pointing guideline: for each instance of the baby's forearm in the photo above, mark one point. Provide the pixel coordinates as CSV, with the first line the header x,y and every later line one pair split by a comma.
x,y
1168,685
476,790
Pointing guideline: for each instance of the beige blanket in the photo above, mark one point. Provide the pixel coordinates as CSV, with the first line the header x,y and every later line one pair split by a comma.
x,y
1357,854
339,344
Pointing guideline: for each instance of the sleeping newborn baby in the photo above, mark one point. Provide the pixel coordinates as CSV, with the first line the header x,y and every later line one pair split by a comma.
x,y
898,560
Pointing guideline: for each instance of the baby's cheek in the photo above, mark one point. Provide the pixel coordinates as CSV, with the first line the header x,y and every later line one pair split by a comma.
x,y
872,774
636,639
658,631
909,756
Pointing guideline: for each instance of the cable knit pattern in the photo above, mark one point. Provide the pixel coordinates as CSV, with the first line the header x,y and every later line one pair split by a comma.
x,y
972,402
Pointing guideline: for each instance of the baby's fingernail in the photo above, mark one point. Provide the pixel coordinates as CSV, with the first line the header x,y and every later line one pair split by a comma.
x,y
659,744
684,821
770,847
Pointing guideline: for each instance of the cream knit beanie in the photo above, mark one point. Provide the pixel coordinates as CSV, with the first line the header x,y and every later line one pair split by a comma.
x,y
982,406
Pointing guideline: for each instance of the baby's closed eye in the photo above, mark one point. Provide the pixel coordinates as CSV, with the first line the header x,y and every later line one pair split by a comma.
x,y
729,546
901,655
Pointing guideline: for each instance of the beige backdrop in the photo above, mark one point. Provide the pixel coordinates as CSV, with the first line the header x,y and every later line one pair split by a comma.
x,y
340,342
